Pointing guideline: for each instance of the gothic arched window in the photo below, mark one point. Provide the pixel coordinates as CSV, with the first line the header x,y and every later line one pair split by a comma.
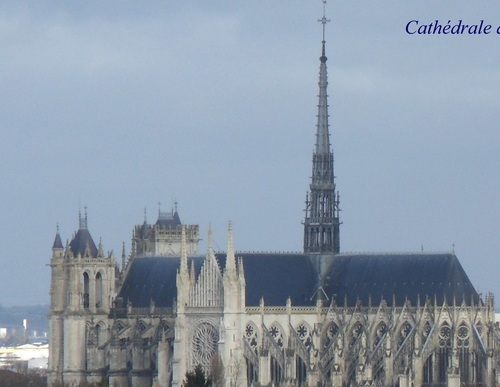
x,y
304,333
86,293
404,333
162,331
356,331
379,333
98,290
276,334
252,337
100,333
463,334
426,331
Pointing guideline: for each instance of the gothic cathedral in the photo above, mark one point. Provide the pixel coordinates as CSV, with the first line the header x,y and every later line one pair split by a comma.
x,y
318,318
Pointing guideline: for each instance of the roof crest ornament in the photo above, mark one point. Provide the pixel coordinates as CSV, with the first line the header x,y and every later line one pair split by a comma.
x,y
82,222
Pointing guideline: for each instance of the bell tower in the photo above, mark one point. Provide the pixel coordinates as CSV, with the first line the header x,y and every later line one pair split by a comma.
x,y
82,290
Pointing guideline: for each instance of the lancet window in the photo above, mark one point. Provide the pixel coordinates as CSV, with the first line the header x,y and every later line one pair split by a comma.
x,y
379,333
86,290
98,290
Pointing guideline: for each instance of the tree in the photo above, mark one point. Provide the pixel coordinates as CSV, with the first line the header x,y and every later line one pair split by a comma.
x,y
235,372
196,378
217,371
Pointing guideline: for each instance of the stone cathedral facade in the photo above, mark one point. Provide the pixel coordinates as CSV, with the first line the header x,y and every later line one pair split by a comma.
x,y
320,317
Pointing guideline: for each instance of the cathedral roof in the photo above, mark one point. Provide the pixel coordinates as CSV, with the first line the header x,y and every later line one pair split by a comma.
x,y
349,278
144,231
80,241
168,219
398,277
57,242
275,277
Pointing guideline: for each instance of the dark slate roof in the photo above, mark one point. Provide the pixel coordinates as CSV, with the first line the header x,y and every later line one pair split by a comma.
x,y
144,231
57,242
278,276
168,219
275,277
349,278
151,278
80,241
411,276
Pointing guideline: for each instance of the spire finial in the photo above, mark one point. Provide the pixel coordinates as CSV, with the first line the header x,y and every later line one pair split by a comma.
x,y
82,222
324,20
210,241
159,209
230,259
145,214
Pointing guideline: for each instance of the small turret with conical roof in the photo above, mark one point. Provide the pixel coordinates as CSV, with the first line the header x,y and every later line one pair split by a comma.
x,y
57,246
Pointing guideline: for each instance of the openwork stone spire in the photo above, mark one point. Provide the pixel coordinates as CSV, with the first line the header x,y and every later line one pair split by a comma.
x,y
321,224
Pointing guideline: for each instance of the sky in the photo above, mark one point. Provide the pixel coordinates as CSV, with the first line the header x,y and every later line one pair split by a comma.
x,y
120,105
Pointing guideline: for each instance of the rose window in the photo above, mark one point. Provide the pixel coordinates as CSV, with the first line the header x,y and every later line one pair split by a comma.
x,y
204,344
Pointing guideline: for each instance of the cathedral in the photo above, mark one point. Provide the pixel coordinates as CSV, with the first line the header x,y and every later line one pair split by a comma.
x,y
322,317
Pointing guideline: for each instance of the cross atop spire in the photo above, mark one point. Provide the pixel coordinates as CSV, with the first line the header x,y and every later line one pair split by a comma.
x,y
323,21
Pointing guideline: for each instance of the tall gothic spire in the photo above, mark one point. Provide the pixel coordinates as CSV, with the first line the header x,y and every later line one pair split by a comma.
x,y
321,224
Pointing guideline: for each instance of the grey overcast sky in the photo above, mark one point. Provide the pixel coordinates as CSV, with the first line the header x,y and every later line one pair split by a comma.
x,y
119,105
